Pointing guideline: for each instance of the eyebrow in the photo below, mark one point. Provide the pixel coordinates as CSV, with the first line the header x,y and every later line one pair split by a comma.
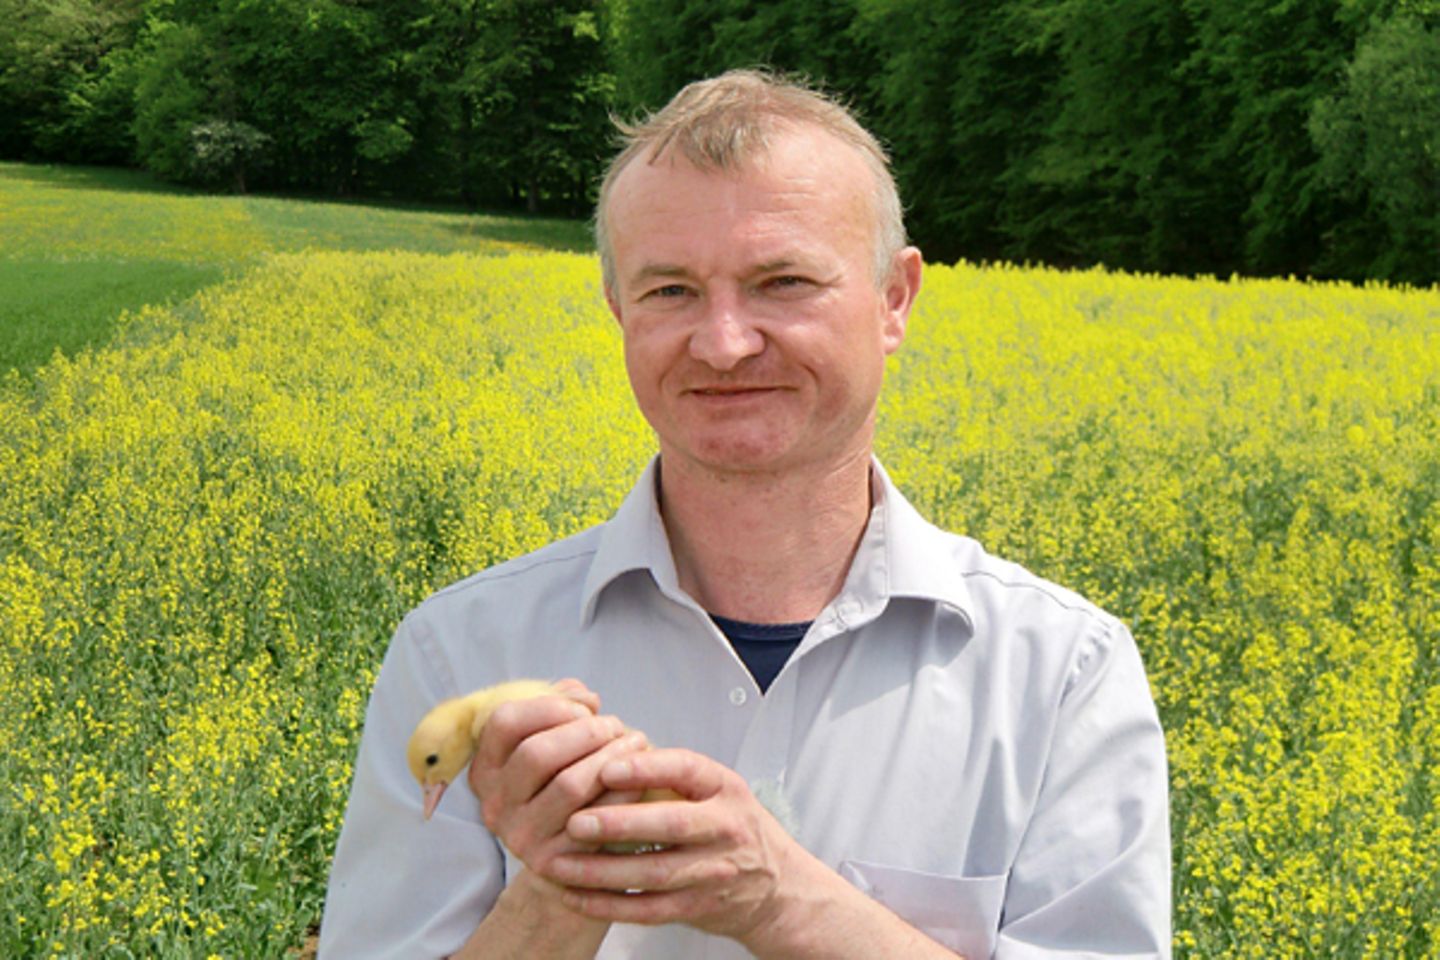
x,y
652,271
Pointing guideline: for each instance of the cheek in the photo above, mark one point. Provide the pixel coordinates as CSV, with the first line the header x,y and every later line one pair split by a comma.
x,y
646,366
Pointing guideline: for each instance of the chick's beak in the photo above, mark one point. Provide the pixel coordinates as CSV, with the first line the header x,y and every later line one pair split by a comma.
x,y
433,792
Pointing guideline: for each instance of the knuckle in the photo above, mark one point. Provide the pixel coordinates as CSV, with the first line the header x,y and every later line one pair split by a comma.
x,y
504,722
572,786
682,820
733,834
657,874
528,753
597,728
724,871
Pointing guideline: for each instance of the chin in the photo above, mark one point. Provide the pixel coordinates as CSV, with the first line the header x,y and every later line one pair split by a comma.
x,y
739,456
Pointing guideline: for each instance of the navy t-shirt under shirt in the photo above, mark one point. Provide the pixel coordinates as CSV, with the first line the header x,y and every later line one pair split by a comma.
x,y
763,647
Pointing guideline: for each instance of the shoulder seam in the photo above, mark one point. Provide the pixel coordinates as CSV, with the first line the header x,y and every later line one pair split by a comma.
x,y
1087,608
485,576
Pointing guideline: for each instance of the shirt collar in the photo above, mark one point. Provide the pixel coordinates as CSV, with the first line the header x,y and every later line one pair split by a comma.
x,y
919,557
900,555
633,539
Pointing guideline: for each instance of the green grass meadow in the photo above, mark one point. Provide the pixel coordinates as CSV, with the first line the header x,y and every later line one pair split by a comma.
x,y
80,247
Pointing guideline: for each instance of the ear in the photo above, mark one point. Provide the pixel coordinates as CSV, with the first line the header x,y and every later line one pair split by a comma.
x,y
901,289
613,303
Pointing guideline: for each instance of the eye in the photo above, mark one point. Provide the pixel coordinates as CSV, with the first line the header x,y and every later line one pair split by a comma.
x,y
433,759
670,290
787,285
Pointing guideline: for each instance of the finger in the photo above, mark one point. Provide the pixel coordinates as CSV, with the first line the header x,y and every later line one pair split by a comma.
x,y
664,870
691,775
516,721
630,906
572,788
611,798
535,760
578,692
595,792
666,823
535,831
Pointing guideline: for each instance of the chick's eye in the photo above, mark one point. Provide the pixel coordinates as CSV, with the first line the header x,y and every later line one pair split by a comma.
x,y
433,759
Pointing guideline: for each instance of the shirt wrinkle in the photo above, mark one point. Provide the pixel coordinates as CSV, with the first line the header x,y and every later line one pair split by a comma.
x,y
1086,651
441,674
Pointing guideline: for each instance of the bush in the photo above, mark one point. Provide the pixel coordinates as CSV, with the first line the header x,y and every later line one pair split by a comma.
x,y
222,151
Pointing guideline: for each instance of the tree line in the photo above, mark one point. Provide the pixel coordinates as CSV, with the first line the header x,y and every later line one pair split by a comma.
x,y
1187,136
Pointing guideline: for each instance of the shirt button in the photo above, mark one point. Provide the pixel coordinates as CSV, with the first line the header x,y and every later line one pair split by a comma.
x,y
738,696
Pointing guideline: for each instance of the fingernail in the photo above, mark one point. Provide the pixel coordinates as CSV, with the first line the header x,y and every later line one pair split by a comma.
x,y
583,826
617,770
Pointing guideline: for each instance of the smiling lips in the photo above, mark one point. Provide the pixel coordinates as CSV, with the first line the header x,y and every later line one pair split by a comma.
x,y
730,391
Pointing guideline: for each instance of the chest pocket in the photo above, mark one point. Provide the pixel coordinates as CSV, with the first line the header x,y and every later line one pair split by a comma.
x,y
962,913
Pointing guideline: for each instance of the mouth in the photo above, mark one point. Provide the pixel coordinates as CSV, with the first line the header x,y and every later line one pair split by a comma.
x,y
433,792
730,393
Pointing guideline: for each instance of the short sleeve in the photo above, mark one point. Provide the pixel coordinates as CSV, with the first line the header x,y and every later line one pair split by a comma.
x,y
401,886
1092,874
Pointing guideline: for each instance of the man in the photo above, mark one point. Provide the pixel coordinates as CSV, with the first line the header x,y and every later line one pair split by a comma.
x,y
955,756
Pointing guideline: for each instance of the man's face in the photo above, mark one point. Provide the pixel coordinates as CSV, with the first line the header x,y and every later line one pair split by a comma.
x,y
755,332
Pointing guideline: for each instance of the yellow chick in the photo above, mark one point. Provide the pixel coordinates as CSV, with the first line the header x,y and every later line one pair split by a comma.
x,y
445,740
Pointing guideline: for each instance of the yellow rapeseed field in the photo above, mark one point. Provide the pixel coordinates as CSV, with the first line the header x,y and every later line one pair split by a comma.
x,y
209,529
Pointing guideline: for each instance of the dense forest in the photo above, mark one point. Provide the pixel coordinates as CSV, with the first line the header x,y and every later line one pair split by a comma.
x,y
1187,136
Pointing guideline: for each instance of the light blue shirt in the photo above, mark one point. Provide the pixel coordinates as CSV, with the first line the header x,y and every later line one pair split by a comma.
x,y
971,745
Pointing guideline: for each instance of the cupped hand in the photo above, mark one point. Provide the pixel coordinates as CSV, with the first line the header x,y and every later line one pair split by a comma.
x,y
724,864
538,762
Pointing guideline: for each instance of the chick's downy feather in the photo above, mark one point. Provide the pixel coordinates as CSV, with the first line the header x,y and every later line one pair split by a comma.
x,y
445,740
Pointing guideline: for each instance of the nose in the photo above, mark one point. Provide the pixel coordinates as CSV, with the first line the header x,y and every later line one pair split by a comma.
x,y
725,335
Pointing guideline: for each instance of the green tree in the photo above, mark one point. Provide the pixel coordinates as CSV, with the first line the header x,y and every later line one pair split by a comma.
x,y
311,79
661,45
1262,66
66,78
333,97
531,93
171,97
1379,144
1117,161
959,94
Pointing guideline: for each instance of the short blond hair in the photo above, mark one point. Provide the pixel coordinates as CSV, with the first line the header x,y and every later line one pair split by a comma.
x,y
725,122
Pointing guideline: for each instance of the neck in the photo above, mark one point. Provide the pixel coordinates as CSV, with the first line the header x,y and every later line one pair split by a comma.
x,y
766,548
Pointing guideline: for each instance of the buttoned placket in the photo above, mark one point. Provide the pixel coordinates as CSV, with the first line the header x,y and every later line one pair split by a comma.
x,y
765,750
768,719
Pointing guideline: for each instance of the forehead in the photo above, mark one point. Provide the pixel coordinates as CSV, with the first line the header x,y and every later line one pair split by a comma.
x,y
807,184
